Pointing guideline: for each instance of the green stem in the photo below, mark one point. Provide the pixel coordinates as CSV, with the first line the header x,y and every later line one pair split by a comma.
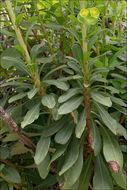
x,y
17,31
84,44
86,90
103,26
60,4
42,25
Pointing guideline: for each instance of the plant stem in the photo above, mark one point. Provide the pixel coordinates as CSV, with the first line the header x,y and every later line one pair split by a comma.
x,y
86,77
60,4
17,31
103,26
42,25
14,128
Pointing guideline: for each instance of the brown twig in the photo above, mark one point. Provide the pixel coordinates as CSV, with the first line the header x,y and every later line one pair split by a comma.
x,y
123,117
8,163
14,128
90,186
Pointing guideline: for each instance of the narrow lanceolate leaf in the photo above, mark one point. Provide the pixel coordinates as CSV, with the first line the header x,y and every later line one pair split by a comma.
x,y
32,93
117,54
31,115
43,167
11,174
17,97
64,134
84,179
59,151
120,179
96,139
59,84
77,53
72,175
118,101
49,101
80,127
53,128
15,62
42,149
106,101
111,150
122,131
107,119
102,179
120,108
71,156
70,105
71,92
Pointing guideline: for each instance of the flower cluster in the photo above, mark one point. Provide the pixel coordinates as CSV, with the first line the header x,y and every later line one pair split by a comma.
x,y
89,16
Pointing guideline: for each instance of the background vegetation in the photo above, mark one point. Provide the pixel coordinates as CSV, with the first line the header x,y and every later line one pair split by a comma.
x,y
63,95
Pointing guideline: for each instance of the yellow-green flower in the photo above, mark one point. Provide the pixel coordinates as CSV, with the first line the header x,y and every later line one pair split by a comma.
x,y
94,12
84,12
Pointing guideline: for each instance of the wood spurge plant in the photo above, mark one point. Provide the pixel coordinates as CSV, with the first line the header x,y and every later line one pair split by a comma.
x,y
63,95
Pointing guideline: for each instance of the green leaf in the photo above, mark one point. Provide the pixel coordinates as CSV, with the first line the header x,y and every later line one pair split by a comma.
x,y
70,105
3,186
106,101
120,179
29,30
54,70
54,127
42,149
122,131
75,34
107,119
120,109
18,149
80,127
77,53
48,100
15,83
67,95
59,151
11,174
31,115
4,152
112,89
102,178
64,134
43,167
59,84
96,139
74,77
84,179
32,93
54,26
34,51
10,137
111,150
73,65
17,97
7,33
117,54
19,18
118,101
72,175
71,156
16,62
45,60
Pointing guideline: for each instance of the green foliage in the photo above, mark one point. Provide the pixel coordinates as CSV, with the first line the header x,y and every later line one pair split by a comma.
x,y
63,81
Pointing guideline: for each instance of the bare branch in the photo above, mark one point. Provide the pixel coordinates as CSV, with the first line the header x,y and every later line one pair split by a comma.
x,y
15,129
